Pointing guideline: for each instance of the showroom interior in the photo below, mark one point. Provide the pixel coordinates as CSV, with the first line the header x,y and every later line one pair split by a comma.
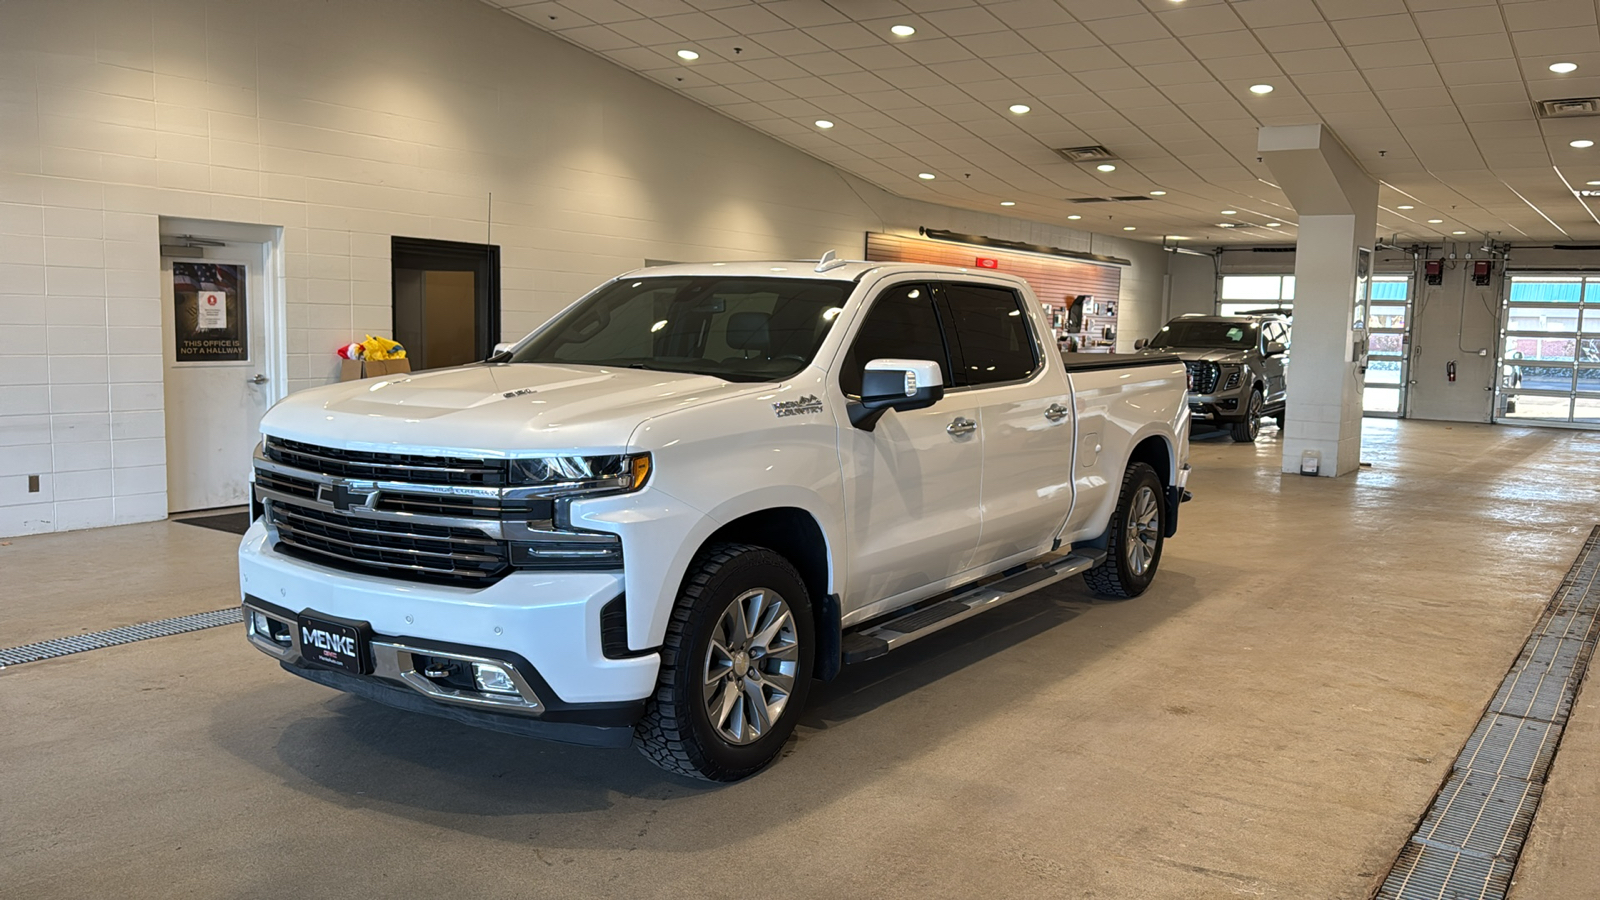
x,y
1367,683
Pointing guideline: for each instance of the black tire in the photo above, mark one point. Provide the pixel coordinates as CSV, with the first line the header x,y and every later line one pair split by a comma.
x,y
677,732
1119,576
1247,429
1281,417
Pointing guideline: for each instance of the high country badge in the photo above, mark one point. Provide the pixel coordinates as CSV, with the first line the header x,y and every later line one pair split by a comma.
x,y
805,406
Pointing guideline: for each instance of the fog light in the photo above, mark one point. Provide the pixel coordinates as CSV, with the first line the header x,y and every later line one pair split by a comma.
x,y
493,679
269,628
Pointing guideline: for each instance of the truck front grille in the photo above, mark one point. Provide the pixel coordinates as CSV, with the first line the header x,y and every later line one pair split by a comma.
x,y
404,467
1202,376
393,547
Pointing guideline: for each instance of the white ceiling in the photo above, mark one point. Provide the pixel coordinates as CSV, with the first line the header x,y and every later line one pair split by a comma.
x,y
1434,97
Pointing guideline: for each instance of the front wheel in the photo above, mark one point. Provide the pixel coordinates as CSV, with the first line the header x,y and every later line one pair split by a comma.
x,y
735,666
1138,531
1248,429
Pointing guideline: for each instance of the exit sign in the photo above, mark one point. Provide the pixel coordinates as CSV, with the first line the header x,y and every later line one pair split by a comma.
x,y
986,263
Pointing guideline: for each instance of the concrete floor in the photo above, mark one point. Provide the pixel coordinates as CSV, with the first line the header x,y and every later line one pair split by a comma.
x,y
1269,720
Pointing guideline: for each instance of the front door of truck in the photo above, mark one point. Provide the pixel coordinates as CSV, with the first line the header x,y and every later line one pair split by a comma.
x,y
1024,418
911,484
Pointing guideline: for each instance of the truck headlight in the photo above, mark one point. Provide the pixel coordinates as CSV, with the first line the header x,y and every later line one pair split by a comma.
x,y
565,476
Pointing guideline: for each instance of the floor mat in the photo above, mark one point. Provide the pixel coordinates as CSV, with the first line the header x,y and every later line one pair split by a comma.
x,y
233,523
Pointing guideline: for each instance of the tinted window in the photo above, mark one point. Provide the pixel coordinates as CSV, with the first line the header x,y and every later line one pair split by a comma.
x,y
902,324
1191,333
991,334
739,329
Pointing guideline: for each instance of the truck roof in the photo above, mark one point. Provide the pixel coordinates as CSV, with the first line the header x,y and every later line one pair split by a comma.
x,y
839,270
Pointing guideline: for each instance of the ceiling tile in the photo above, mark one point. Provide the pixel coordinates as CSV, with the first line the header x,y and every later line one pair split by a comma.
x,y
966,20
805,13
1311,62
1557,41
1146,53
1278,12
1310,36
1467,49
1459,22
995,43
1223,45
1060,37
1376,30
1029,14
1193,20
1024,65
697,26
1542,14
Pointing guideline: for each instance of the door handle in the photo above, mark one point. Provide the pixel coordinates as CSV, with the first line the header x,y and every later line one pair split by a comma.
x,y
258,379
1056,412
961,427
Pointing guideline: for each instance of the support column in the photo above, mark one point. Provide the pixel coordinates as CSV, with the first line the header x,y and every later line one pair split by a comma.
x,y
1338,207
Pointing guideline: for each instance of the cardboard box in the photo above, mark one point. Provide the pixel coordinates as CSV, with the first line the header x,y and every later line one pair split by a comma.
x,y
354,369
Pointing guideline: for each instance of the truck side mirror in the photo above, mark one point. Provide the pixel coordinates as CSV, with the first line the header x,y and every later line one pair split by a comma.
x,y
501,349
1140,344
903,384
1276,348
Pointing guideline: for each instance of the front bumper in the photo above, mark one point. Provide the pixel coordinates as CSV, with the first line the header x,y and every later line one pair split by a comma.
x,y
1219,406
545,623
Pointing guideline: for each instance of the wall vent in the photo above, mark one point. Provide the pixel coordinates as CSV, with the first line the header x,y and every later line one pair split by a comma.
x,y
1096,153
1574,106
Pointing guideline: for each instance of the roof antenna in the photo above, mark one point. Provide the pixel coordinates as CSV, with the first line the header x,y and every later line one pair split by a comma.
x,y
828,261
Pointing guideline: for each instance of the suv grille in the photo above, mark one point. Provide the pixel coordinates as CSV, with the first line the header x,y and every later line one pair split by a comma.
x,y
1202,376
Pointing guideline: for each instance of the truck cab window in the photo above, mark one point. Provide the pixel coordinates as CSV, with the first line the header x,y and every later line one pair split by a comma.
x,y
990,334
902,324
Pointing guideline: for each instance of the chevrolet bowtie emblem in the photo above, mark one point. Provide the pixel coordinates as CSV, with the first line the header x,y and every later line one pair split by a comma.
x,y
343,496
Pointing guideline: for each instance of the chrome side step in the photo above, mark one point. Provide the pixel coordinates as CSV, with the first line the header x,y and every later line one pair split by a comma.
x,y
878,639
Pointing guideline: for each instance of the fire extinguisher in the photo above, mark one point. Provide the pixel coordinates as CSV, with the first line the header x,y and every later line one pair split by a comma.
x,y
1450,370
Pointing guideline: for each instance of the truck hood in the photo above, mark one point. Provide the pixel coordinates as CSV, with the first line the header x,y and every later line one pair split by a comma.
x,y
493,410
1204,354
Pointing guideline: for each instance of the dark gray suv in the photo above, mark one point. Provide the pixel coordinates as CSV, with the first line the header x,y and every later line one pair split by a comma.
x,y
1236,368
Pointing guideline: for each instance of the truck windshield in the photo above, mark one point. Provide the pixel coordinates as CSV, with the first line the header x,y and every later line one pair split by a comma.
x,y
1206,334
737,329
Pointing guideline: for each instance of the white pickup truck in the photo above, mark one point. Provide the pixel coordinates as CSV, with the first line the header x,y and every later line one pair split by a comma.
x,y
659,517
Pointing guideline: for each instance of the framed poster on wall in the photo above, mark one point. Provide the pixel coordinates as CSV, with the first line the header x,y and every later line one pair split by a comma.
x,y
210,316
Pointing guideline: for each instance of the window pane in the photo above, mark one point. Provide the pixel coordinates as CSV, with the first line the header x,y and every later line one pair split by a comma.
x,y
1536,348
1383,371
1385,344
1586,410
992,334
901,324
1383,289
1252,287
1541,318
1386,317
1288,287
1381,400
1545,290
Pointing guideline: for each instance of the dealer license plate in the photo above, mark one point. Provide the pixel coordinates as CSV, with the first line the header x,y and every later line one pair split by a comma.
x,y
332,644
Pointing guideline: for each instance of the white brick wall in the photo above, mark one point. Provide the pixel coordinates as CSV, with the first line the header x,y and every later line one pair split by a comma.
x,y
346,123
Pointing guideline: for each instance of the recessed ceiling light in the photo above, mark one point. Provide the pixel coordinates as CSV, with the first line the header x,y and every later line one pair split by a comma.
x,y
1458,232
1260,88
1074,218
688,54
1020,108
1435,221
1581,145
1274,224
1106,167
824,123
1407,206
1563,68
1225,224
1177,237
1129,228
1008,203
1230,212
1592,183
902,31
925,176
1158,193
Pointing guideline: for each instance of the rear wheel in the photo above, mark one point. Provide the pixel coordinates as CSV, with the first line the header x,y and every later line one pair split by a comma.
x,y
1246,430
735,666
1138,531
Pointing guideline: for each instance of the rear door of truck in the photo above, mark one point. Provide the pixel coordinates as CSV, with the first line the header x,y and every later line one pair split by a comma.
x,y
1024,416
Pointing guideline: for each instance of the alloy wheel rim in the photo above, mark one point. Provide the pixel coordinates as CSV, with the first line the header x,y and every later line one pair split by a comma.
x,y
1255,415
1144,530
750,666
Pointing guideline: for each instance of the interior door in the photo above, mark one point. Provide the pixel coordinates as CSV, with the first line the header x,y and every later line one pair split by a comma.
x,y
912,483
1024,418
215,384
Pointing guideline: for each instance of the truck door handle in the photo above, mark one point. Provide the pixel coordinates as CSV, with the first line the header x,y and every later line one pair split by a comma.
x,y
961,427
259,379
1056,412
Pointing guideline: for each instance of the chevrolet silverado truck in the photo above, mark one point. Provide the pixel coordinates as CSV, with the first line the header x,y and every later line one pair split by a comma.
x,y
659,517
1236,368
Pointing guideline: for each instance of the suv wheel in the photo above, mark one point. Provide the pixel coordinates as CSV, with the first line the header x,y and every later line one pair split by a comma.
x,y
1246,430
735,666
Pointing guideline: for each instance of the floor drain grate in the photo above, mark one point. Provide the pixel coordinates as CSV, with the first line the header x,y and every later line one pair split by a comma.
x,y
78,643
1467,844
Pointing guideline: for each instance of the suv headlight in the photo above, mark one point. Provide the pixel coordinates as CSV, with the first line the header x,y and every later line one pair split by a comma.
x,y
568,476
1228,376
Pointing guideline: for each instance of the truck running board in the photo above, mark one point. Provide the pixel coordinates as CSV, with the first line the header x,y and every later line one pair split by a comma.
x,y
878,639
